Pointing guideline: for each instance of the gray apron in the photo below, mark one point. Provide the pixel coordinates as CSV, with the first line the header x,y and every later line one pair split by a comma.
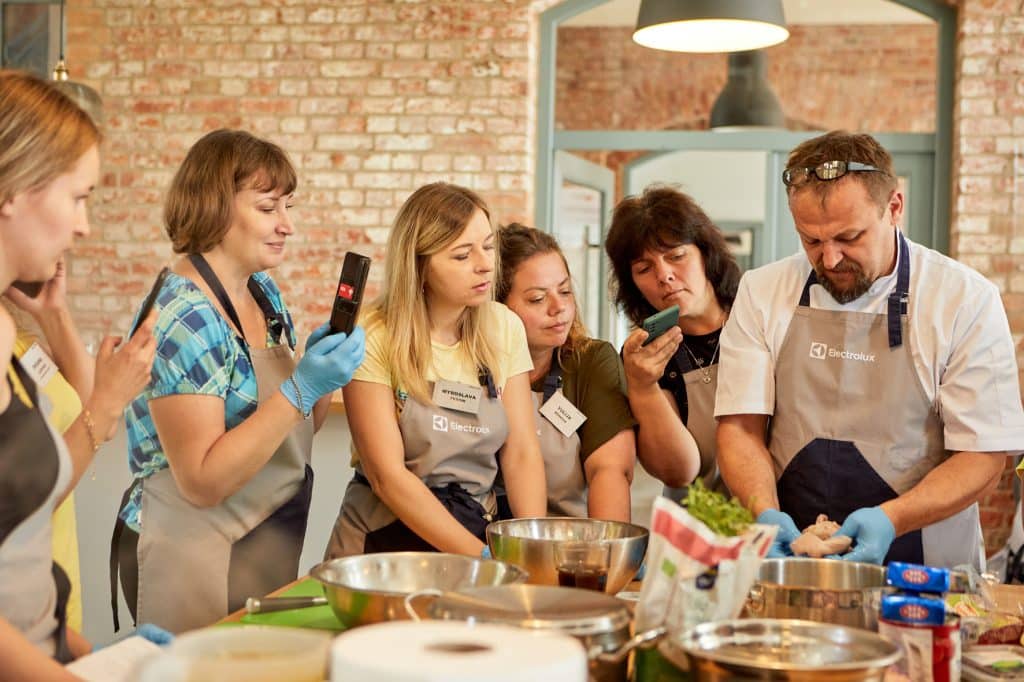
x,y
698,387
452,452
563,470
36,470
196,565
853,427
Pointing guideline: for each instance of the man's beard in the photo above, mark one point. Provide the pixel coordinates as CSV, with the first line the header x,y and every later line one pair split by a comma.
x,y
860,285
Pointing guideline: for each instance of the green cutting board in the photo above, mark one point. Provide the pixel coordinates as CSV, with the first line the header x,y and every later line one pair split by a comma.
x,y
315,617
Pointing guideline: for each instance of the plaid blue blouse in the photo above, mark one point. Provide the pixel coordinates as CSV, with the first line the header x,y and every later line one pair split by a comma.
x,y
197,353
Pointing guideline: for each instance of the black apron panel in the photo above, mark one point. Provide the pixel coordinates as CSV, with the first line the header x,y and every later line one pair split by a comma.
x,y
123,547
398,537
832,477
29,463
62,653
268,556
504,508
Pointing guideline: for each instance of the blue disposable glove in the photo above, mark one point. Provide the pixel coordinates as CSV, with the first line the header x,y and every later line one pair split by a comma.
x,y
317,334
327,365
155,634
485,553
872,534
788,532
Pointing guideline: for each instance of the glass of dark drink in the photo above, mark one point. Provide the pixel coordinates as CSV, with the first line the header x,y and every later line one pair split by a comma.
x,y
583,564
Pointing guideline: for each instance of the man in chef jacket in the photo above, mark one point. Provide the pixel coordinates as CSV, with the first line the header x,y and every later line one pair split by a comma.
x,y
868,378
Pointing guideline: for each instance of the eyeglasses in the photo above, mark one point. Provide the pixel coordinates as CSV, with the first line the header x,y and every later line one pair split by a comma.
x,y
828,170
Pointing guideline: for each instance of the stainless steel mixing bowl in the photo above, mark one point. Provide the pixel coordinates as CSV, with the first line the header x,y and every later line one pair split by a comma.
x,y
371,588
530,544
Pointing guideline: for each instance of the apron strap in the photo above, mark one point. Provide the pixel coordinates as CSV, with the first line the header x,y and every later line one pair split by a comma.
x,y
276,322
553,381
487,379
898,298
897,303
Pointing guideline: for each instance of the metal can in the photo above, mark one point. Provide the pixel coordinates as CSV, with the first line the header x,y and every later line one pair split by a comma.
x,y
930,652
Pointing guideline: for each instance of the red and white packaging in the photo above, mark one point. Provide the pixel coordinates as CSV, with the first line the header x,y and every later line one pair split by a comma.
x,y
930,652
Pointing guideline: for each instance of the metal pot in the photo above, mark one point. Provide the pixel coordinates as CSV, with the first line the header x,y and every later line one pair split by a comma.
x,y
371,588
823,590
600,622
770,649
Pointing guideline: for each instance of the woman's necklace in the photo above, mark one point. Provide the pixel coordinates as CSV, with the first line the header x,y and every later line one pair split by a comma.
x,y
704,371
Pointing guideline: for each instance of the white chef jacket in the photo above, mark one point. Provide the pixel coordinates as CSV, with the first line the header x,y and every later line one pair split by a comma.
x,y
959,339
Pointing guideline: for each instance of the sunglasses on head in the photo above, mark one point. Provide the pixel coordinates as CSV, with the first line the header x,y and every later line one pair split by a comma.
x,y
825,171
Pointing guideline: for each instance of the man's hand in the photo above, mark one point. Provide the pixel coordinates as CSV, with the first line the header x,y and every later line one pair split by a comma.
x,y
788,532
872,534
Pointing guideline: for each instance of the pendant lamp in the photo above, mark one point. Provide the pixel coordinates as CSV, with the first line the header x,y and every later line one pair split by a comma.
x,y
747,100
80,93
710,25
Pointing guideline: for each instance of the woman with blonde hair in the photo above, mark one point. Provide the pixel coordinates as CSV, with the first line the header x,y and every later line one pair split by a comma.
x,y
579,392
445,386
49,164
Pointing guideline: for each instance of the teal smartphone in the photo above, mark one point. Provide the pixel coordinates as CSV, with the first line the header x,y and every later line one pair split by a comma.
x,y
659,323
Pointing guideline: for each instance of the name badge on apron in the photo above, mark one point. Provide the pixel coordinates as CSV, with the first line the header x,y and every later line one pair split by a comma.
x,y
563,414
455,396
38,365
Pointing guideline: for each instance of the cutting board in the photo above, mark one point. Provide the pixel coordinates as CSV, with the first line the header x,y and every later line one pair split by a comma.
x,y
315,617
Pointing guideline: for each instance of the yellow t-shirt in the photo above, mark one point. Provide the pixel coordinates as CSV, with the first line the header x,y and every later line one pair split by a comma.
x,y
448,362
65,408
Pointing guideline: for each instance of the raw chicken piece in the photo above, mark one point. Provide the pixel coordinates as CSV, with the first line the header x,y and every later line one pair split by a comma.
x,y
821,540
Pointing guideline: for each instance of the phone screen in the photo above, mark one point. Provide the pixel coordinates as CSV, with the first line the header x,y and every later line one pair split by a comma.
x,y
147,304
659,323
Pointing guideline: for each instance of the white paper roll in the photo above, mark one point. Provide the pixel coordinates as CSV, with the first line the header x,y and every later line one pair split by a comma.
x,y
446,651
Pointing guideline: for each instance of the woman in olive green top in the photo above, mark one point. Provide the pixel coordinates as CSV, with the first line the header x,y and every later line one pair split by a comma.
x,y
583,417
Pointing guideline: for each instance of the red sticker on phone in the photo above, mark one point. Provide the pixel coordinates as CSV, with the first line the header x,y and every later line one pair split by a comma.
x,y
346,291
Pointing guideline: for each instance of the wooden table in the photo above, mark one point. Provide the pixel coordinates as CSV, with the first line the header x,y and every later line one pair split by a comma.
x,y
236,617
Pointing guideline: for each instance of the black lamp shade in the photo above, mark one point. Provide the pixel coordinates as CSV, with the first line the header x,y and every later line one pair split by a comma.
x,y
710,25
747,100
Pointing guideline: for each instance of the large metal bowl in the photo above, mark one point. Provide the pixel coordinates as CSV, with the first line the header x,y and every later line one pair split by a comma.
x,y
530,544
822,590
777,649
371,588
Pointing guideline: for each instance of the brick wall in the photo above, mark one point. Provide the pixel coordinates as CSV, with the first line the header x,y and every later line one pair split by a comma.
x,y
870,78
374,98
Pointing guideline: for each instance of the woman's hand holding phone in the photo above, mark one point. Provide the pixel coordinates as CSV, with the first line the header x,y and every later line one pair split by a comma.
x,y
39,299
122,372
648,349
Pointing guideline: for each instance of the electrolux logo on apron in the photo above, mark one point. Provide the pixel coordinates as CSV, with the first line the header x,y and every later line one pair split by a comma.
x,y
446,424
820,351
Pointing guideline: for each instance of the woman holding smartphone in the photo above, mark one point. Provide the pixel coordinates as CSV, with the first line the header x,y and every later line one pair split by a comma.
x,y
588,466
444,387
49,164
665,251
220,442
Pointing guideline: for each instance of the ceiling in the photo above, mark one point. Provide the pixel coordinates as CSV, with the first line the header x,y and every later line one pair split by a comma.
x,y
624,12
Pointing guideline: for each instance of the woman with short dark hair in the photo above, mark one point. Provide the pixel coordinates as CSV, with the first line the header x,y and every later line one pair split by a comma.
x,y
220,442
665,251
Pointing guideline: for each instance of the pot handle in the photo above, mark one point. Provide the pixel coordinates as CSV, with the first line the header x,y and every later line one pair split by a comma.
x,y
411,597
644,640
755,600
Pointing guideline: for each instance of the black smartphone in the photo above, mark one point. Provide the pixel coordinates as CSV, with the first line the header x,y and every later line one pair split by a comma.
x,y
349,297
660,322
30,289
147,305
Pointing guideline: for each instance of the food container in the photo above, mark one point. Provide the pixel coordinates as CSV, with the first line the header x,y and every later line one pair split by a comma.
x,y
993,663
371,588
770,649
251,653
930,652
822,590
531,544
599,621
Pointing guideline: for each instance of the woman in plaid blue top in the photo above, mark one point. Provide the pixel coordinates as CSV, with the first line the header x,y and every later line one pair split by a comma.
x,y
220,442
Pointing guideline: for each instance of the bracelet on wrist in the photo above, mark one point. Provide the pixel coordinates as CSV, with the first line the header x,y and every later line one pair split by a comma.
x,y
90,429
298,398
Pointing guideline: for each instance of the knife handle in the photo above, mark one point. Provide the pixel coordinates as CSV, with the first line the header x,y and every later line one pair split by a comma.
x,y
270,604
